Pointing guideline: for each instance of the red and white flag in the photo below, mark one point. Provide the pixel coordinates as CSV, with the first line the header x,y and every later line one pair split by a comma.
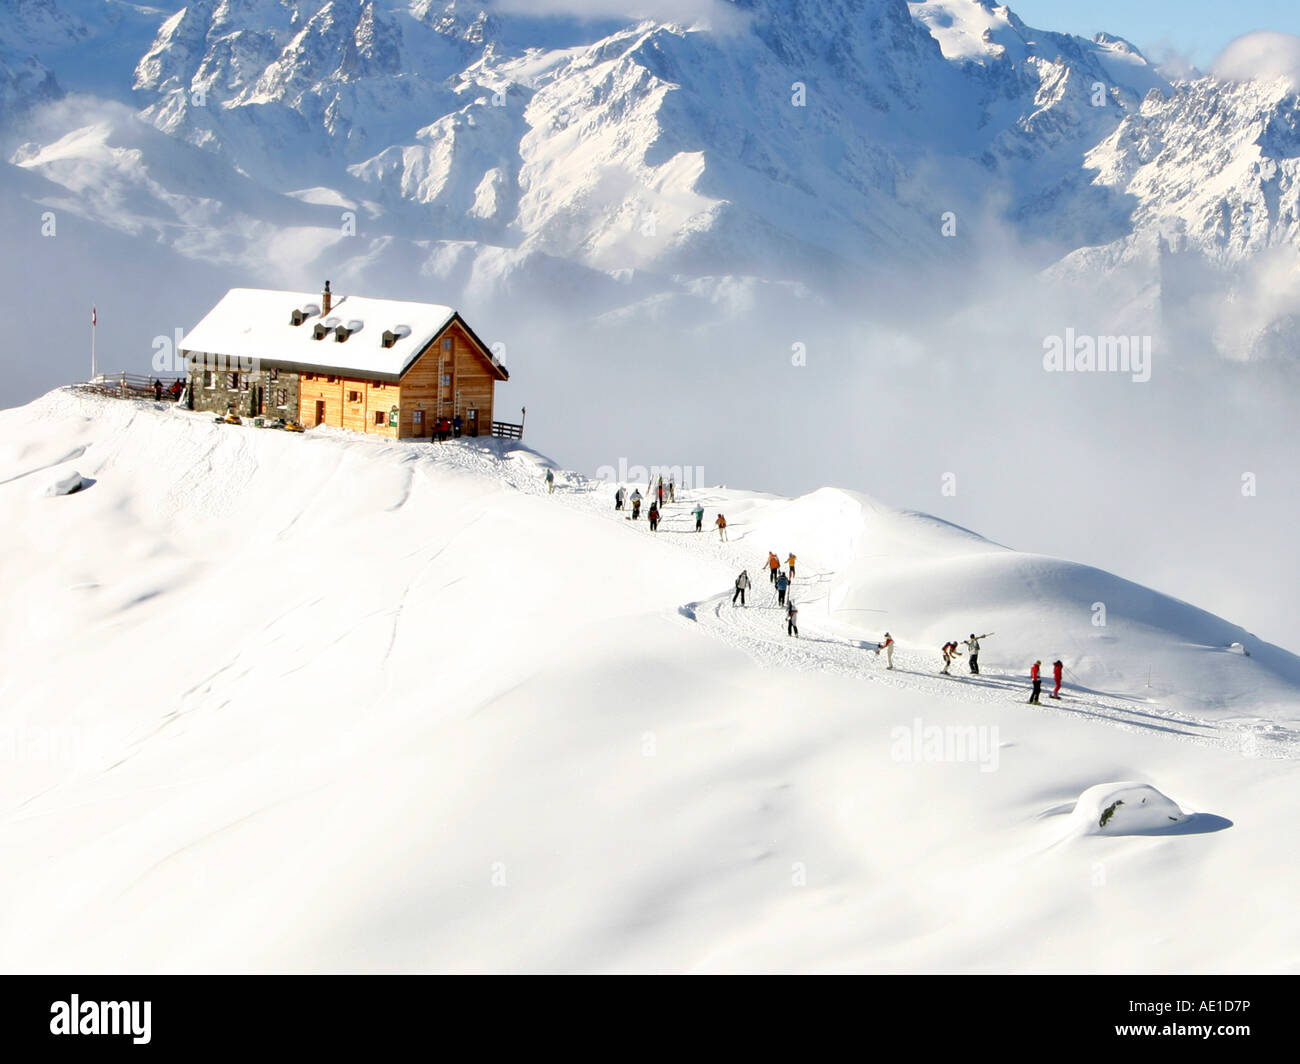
x,y
94,316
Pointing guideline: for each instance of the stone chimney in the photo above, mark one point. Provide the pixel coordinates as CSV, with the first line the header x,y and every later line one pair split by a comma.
x,y
325,299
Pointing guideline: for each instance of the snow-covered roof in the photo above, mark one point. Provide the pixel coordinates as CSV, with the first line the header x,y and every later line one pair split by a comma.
x,y
255,323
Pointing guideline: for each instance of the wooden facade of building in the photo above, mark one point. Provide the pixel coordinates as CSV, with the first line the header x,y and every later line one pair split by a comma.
x,y
455,376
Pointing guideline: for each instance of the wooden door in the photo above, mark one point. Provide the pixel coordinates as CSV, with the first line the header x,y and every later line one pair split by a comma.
x,y
417,420
320,411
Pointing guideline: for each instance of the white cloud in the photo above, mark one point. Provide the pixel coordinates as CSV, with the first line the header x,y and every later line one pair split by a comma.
x,y
1260,56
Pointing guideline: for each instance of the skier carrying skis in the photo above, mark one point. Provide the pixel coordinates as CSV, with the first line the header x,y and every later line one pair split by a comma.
x,y
742,585
973,650
550,477
1038,683
781,584
699,517
950,652
792,619
790,562
888,647
773,564
721,524
636,504
1057,667
654,516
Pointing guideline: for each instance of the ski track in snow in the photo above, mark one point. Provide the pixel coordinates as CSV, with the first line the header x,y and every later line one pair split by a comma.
x,y
759,628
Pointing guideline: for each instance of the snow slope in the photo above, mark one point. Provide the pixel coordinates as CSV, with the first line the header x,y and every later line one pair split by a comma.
x,y
325,702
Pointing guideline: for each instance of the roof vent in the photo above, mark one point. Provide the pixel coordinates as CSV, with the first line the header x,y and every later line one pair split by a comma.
x,y
397,332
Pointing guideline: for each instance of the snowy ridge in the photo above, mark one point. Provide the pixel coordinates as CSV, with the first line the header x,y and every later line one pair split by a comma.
x,y
255,735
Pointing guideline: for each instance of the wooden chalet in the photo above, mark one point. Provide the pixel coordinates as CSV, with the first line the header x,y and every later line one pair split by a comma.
x,y
370,365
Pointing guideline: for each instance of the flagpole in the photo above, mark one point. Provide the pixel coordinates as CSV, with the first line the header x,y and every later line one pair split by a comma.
x,y
94,321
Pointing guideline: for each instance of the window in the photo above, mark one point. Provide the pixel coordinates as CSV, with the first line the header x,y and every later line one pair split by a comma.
x,y
275,375
354,397
379,417
209,378
446,344
232,381
446,380
282,397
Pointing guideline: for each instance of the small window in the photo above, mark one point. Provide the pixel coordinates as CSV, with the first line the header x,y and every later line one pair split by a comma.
x,y
232,381
282,397
379,417
275,375
446,344
354,397
209,378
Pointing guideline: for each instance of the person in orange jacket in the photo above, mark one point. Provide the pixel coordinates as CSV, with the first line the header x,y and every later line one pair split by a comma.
x,y
773,564
1038,683
721,523
790,562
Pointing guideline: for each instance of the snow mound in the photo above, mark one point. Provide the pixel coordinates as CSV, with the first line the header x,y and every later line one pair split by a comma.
x,y
1124,809
65,485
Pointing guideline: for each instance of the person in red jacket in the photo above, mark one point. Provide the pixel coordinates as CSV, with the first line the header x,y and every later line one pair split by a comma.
x,y
1057,666
888,647
1038,684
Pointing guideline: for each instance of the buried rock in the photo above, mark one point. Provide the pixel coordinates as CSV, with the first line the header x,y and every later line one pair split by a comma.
x,y
69,484
1127,809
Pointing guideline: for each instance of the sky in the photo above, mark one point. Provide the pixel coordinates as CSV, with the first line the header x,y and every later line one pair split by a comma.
x,y
1196,29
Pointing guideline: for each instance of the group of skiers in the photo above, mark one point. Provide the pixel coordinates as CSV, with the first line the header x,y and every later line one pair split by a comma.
x,y
1057,668
780,578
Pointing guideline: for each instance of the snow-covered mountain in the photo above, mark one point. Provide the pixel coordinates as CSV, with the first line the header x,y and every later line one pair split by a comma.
x,y
327,702
777,141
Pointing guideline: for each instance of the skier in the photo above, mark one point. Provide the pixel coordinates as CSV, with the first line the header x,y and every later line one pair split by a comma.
x,y
653,514
619,496
157,390
773,565
699,517
660,491
1038,683
1057,667
672,489
888,647
550,475
973,650
792,620
742,585
790,562
950,652
636,504
721,522
456,426
781,584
